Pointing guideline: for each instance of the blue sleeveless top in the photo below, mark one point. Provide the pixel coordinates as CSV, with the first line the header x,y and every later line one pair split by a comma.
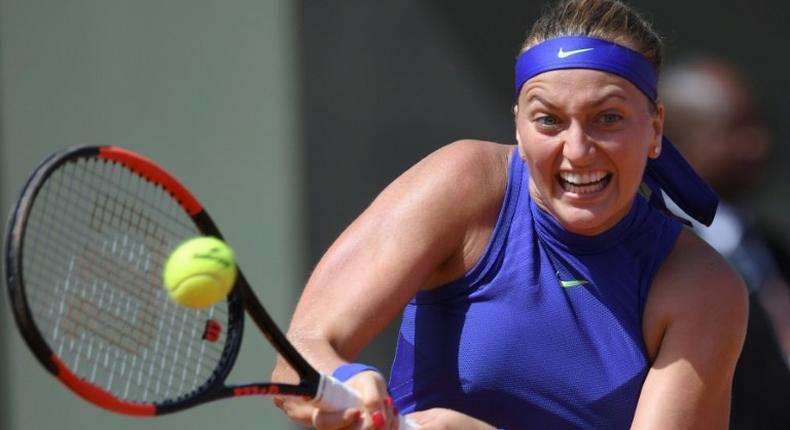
x,y
545,331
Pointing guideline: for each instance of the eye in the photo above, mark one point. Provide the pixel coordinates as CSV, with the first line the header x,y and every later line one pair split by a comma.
x,y
547,121
610,118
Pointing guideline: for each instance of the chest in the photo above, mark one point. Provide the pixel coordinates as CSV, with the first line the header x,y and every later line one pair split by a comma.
x,y
545,338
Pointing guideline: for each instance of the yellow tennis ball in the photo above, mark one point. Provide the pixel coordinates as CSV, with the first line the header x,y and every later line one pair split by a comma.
x,y
200,272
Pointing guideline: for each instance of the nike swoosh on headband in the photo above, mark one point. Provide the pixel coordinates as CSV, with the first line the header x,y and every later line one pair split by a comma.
x,y
564,54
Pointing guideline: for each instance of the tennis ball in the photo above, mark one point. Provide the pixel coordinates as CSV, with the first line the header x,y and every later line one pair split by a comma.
x,y
200,272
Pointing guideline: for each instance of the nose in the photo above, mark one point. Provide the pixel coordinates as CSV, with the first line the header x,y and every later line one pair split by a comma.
x,y
577,147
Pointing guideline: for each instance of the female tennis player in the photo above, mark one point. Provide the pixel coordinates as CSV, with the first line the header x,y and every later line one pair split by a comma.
x,y
542,285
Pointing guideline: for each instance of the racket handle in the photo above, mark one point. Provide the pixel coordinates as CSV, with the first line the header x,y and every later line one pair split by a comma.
x,y
406,424
333,395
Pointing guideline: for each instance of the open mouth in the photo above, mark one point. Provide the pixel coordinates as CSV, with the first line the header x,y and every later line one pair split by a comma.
x,y
584,183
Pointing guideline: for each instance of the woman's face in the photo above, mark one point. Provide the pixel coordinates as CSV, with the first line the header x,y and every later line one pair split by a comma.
x,y
586,136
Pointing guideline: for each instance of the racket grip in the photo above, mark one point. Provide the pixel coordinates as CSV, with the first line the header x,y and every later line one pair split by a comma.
x,y
333,395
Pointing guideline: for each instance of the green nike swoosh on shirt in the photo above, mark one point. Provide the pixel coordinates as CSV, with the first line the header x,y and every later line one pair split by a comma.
x,y
573,283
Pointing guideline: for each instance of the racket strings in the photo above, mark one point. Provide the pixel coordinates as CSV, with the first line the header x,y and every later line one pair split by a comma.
x,y
117,309
96,241
108,305
121,367
93,262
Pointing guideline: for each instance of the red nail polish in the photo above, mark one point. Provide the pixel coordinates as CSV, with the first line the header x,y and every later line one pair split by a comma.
x,y
378,419
388,401
357,415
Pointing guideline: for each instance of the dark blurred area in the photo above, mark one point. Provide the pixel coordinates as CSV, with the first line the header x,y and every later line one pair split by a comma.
x,y
717,123
385,83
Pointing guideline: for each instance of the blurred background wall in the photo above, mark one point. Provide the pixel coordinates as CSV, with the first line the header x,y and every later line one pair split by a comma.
x,y
287,117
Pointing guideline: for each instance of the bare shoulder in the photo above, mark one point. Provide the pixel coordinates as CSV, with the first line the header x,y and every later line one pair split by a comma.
x,y
474,149
468,164
696,288
455,195
468,175
447,201
694,326
694,273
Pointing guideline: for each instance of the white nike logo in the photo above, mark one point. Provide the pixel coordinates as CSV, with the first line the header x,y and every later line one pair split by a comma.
x,y
563,54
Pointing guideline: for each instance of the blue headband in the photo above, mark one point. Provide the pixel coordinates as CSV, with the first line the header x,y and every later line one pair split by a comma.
x,y
582,52
670,172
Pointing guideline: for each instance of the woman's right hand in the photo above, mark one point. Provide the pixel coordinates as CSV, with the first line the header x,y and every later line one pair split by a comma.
x,y
375,412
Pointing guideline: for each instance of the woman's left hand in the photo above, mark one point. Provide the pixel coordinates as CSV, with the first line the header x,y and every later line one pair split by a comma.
x,y
446,419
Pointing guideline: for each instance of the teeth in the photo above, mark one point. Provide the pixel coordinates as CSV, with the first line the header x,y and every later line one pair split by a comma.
x,y
586,178
582,183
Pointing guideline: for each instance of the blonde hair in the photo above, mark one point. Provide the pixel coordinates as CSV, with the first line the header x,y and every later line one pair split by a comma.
x,y
609,20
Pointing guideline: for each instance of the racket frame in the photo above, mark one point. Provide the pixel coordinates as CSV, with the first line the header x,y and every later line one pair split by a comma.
x,y
240,299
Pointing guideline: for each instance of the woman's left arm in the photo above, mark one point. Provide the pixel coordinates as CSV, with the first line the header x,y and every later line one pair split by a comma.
x,y
694,326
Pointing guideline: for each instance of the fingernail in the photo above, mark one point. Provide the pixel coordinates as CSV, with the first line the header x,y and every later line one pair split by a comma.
x,y
356,415
388,401
378,419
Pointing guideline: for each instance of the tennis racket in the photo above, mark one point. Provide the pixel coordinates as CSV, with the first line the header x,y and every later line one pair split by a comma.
x,y
84,251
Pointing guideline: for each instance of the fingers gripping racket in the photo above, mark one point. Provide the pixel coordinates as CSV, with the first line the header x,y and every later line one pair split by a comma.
x,y
84,251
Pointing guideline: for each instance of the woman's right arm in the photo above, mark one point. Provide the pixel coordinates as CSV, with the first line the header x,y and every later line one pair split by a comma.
x,y
426,228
